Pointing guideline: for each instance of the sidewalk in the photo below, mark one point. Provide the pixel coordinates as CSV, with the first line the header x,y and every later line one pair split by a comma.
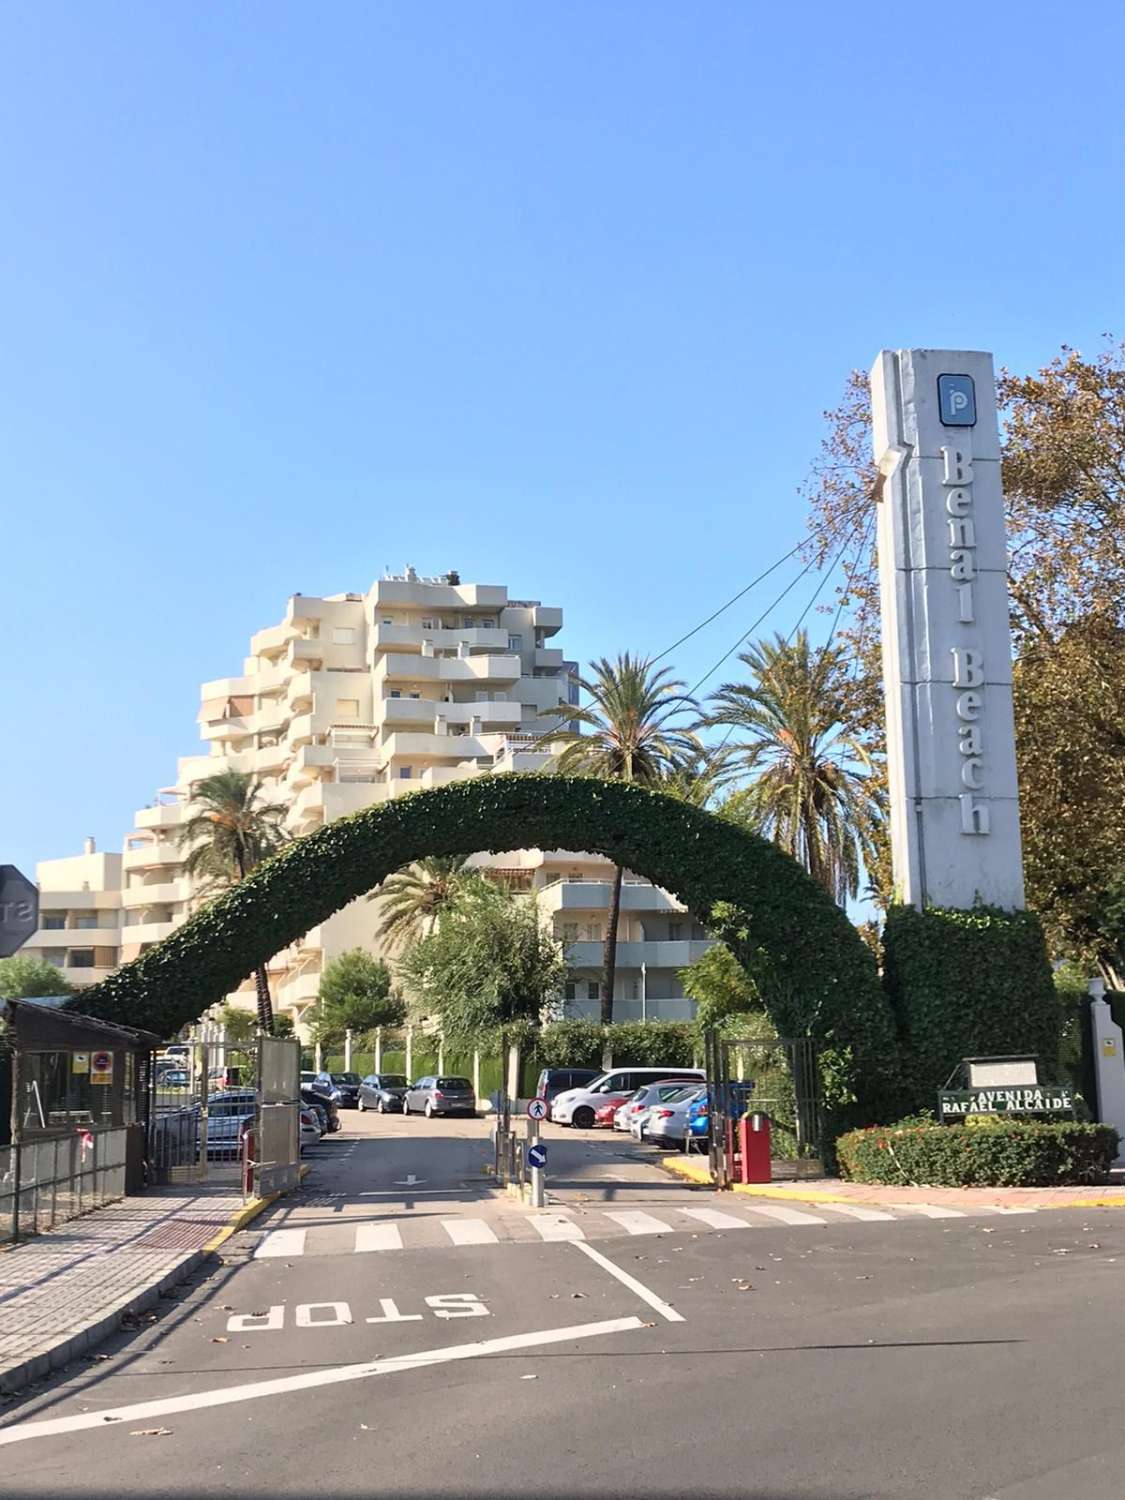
x,y
833,1190
63,1292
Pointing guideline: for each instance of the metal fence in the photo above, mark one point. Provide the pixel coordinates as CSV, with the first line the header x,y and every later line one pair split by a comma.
x,y
48,1180
778,1078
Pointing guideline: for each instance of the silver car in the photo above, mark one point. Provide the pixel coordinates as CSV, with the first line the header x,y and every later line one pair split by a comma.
x,y
632,1112
444,1095
666,1124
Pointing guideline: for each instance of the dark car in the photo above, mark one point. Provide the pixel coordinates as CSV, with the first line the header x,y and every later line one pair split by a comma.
x,y
554,1081
440,1096
383,1092
326,1108
346,1085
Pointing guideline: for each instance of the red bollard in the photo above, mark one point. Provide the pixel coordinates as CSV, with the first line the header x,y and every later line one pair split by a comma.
x,y
754,1143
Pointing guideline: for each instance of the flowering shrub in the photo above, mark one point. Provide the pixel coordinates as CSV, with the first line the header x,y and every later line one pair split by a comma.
x,y
999,1153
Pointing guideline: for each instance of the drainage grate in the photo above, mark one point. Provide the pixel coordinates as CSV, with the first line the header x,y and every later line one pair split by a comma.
x,y
180,1234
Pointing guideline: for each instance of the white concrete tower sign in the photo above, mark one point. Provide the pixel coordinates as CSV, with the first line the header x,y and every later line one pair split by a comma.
x,y
947,656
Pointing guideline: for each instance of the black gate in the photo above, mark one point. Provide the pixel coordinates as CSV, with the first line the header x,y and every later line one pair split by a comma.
x,y
778,1078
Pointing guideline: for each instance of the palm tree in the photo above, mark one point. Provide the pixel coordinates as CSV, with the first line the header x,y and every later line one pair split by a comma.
x,y
230,832
415,897
813,790
699,779
630,736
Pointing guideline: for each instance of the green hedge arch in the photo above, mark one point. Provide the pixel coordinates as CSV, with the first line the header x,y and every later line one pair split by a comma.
x,y
815,974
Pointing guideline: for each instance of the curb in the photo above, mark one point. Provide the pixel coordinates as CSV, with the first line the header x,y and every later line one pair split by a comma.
x,y
102,1328
681,1167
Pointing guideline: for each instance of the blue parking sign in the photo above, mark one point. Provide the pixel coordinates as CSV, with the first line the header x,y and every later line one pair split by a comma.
x,y
537,1156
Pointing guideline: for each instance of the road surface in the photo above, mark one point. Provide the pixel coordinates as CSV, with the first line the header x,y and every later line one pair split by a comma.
x,y
398,1328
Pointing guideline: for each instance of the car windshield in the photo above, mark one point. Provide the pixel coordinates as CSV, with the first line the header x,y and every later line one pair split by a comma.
x,y
455,1085
344,1077
392,1080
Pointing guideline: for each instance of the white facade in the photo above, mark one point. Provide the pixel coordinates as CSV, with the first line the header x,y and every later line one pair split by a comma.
x,y
947,659
79,915
356,698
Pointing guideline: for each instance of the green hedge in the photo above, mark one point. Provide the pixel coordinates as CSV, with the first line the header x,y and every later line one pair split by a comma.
x,y
971,983
812,970
583,1044
1004,1153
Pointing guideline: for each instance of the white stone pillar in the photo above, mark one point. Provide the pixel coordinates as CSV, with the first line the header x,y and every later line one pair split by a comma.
x,y
318,1058
441,1054
410,1054
348,1050
378,1049
947,659
476,1075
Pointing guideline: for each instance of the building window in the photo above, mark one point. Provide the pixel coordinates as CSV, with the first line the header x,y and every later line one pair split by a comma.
x,y
570,932
593,932
56,960
388,620
675,931
82,958
570,990
515,642
632,989
343,635
87,922
347,708
54,922
593,989
405,773
396,692
416,695
427,624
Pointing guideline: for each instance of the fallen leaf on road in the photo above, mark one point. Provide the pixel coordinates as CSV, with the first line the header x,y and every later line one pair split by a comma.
x,y
577,1294
535,1377
648,1325
221,1340
227,1307
152,1432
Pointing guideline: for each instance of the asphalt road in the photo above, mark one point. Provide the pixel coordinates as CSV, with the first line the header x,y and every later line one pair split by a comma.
x,y
377,1335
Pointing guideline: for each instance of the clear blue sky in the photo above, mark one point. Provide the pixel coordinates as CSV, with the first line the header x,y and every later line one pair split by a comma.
x,y
554,294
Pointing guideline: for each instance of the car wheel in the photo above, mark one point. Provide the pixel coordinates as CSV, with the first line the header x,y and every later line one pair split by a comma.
x,y
429,1110
583,1118
359,1104
380,1107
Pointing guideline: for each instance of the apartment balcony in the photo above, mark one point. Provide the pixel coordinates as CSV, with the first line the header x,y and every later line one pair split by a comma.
x,y
152,856
272,639
547,659
436,594
298,989
167,815
396,711
143,932
398,667
546,618
306,654
500,715
593,895
300,731
405,746
309,762
677,955
167,893
235,728
81,978
324,801
299,691
441,637
432,776
306,607
56,938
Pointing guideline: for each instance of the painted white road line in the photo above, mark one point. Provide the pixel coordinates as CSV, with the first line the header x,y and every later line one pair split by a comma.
x,y
553,1227
927,1210
469,1231
787,1215
857,1211
663,1308
377,1237
714,1218
639,1223
995,1208
144,1411
282,1242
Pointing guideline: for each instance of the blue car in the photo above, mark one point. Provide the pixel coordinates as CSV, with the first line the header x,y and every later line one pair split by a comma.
x,y
699,1111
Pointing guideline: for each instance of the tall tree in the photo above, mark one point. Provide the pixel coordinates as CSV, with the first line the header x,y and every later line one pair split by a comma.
x,y
231,830
414,898
22,978
487,963
355,995
630,729
810,783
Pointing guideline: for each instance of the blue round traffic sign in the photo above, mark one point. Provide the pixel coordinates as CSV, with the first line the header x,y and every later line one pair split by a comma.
x,y
537,1156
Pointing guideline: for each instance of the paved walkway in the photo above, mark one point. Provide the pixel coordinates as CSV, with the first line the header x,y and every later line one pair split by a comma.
x,y
966,1200
62,1292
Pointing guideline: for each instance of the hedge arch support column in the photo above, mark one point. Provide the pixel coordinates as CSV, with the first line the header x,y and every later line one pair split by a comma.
x,y
815,975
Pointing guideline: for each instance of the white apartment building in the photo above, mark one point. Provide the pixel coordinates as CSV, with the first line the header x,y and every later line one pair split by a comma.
x,y
356,698
79,915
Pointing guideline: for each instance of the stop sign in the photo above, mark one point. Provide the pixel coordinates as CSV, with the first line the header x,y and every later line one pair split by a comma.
x,y
19,910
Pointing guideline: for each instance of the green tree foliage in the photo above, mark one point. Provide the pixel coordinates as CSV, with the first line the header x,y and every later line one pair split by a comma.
x,y
630,729
283,1024
354,995
237,1023
810,785
487,964
413,899
232,828
720,987
24,978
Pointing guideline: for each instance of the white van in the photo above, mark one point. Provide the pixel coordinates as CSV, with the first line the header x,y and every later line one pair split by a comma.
x,y
576,1106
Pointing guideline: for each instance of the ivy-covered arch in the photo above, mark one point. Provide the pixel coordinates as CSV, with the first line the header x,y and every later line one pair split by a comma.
x,y
815,974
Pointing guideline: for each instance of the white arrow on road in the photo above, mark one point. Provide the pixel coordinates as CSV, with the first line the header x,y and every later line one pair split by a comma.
x,y
411,1181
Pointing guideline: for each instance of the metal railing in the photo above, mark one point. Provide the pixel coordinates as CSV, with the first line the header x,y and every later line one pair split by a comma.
x,y
50,1179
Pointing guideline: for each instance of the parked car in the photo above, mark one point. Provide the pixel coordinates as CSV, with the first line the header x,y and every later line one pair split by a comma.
x,y
181,1051
577,1106
326,1108
638,1125
310,1131
440,1096
229,1114
173,1078
667,1124
642,1100
320,1083
555,1081
383,1092
226,1077
606,1112
346,1085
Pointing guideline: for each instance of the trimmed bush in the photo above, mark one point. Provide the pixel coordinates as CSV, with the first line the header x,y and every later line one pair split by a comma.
x,y
996,1153
967,984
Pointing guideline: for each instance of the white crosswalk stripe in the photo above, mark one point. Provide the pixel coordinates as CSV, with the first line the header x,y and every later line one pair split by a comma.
x,y
928,1210
469,1231
555,1227
281,1242
714,1218
787,1215
858,1211
639,1223
996,1208
377,1237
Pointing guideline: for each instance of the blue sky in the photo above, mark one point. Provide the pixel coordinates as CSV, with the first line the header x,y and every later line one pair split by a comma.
x,y
554,294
